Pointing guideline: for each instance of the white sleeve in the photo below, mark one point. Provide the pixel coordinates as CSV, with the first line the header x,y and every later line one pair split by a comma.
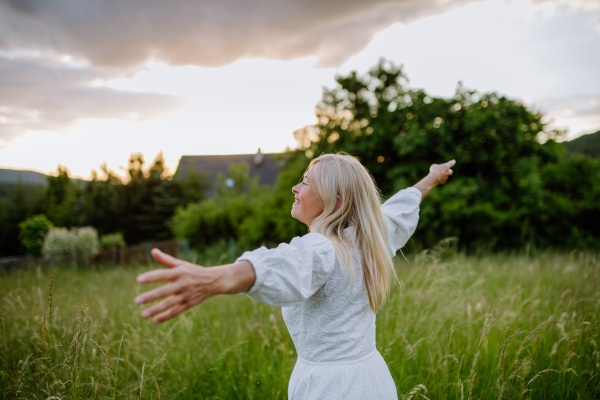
x,y
291,273
401,213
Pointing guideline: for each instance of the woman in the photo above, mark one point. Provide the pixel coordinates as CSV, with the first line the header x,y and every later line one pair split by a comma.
x,y
330,282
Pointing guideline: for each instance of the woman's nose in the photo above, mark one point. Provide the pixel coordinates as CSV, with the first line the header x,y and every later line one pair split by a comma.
x,y
295,189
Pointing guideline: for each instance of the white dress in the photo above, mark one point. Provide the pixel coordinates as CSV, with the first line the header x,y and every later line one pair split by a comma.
x,y
328,316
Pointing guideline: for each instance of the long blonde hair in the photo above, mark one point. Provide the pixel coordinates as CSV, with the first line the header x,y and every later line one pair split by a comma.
x,y
344,176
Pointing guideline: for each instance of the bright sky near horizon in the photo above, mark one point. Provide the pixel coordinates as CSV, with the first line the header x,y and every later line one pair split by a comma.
x,y
83,88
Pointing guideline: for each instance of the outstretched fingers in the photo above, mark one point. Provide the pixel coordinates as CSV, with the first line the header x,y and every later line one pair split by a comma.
x,y
162,306
172,312
187,285
449,166
159,275
158,293
165,259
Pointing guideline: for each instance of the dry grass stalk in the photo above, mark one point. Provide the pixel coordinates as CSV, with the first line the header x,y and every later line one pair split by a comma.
x,y
142,379
471,385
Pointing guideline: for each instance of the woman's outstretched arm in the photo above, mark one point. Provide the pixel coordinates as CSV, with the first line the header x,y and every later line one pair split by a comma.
x,y
438,175
189,285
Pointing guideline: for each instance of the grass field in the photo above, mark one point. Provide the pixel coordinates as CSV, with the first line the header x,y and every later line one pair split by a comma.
x,y
461,327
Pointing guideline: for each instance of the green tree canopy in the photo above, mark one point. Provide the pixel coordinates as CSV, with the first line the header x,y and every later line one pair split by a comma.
x,y
504,188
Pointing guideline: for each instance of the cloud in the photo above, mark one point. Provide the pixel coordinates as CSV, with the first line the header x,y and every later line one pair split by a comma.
x,y
581,113
206,32
41,94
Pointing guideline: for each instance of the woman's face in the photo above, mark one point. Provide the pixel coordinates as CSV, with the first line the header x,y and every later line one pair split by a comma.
x,y
308,203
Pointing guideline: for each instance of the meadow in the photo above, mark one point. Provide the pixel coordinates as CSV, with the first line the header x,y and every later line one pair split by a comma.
x,y
482,326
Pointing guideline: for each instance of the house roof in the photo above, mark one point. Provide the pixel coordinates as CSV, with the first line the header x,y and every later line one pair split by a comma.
x,y
265,166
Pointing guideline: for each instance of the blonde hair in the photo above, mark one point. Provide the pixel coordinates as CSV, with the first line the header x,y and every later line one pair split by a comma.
x,y
344,176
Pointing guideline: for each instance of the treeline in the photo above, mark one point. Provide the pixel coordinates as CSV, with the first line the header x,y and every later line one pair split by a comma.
x,y
140,209
513,184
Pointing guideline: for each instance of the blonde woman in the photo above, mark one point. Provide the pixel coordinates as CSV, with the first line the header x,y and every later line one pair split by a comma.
x,y
330,282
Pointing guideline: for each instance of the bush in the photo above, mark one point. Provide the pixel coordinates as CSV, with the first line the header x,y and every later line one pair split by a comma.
x,y
78,244
32,233
112,241
87,244
251,214
59,242
210,221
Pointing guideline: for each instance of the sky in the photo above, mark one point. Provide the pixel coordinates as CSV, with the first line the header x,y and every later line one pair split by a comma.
x,y
85,83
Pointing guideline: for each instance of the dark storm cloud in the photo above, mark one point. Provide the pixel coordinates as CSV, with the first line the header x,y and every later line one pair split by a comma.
x,y
42,94
205,32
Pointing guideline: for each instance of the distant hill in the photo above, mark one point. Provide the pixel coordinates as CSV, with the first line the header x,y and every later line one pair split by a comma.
x,y
16,176
587,144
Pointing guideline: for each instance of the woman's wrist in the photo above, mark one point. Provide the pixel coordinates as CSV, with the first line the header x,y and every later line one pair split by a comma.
x,y
438,175
236,278
426,184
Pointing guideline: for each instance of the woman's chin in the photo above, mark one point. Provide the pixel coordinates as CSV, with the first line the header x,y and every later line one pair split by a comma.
x,y
295,211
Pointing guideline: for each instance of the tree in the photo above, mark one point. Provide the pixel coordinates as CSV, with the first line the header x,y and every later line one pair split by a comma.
x,y
497,198
193,188
156,201
23,202
61,195
103,201
140,209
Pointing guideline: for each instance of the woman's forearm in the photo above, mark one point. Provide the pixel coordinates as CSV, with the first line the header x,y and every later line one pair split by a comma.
x,y
425,185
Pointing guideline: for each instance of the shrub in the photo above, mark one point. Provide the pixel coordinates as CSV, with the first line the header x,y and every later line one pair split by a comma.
x,y
112,241
254,215
209,221
77,244
87,244
32,233
59,242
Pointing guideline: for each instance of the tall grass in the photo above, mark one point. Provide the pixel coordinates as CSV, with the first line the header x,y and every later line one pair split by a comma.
x,y
460,327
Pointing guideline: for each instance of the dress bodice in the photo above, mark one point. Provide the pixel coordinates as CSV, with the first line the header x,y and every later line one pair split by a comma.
x,y
336,323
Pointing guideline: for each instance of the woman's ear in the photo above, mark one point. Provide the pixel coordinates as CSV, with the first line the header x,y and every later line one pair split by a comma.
x,y
338,203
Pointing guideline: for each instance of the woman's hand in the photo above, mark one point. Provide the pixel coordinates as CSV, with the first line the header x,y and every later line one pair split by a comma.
x,y
189,285
438,175
441,172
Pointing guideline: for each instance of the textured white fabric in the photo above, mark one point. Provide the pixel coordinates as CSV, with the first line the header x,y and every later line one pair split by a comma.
x,y
328,315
